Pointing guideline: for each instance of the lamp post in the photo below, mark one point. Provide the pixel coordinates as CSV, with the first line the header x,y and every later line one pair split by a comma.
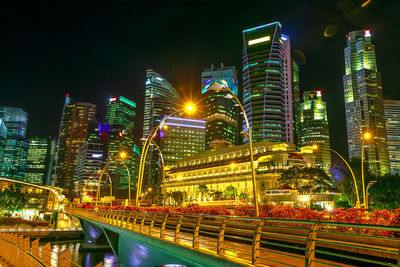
x,y
163,171
223,86
189,108
122,155
366,136
315,147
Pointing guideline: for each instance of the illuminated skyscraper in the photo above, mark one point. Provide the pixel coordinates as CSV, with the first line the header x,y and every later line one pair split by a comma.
x,y
121,116
40,162
296,103
221,113
315,128
3,139
161,99
392,117
364,102
13,162
267,83
73,134
180,138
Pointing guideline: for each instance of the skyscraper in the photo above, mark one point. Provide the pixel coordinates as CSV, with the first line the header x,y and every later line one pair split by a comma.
x,y
13,162
120,116
267,83
180,138
73,134
36,161
392,117
221,113
161,99
296,103
315,128
364,102
3,139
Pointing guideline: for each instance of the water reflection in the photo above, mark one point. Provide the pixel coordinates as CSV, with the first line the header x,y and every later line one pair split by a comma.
x,y
84,258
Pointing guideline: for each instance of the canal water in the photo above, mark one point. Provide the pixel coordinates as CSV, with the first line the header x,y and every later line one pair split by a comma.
x,y
84,258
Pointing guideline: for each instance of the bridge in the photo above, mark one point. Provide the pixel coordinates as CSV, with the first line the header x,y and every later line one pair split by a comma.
x,y
153,239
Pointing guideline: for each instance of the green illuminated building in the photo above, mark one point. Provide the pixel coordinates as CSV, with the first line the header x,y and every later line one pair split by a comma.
x,y
296,104
13,162
364,102
40,163
315,128
120,116
3,138
221,113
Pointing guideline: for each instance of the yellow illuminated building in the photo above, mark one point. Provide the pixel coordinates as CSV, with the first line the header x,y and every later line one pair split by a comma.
x,y
230,166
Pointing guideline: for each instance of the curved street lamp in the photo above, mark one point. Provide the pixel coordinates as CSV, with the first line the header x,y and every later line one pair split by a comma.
x,y
190,108
366,136
315,147
223,86
122,156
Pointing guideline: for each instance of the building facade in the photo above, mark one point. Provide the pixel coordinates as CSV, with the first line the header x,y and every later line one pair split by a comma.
x,y
181,138
161,99
221,113
121,117
296,104
3,139
392,117
221,168
36,161
267,83
315,128
13,162
89,161
73,134
364,102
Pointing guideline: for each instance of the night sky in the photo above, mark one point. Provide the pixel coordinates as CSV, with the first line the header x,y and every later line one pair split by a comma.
x,y
102,49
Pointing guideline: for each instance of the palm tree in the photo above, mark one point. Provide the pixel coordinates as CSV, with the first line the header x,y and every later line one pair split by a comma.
x,y
202,189
215,195
230,193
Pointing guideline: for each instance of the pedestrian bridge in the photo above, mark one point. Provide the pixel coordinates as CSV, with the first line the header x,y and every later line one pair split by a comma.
x,y
158,239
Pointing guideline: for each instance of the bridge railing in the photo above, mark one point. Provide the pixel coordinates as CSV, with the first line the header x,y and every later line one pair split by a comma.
x,y
263,241
17,250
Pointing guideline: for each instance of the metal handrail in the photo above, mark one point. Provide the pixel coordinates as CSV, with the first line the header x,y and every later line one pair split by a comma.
x,y
26,252
253,235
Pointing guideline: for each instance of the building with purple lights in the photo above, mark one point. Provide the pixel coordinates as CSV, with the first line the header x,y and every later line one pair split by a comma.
x,y
267,84
181,138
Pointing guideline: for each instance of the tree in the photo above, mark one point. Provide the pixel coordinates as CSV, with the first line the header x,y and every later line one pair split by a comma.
x,y
243,196
178,197
12,199
230,193
346,184
202,189
306,180
385,192
215,195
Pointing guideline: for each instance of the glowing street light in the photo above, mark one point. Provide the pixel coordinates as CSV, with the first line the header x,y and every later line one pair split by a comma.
x,y
122,155
366,136
190,108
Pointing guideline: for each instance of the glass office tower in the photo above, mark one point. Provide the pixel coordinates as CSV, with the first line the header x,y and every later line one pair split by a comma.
x,y
267,83
364,102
